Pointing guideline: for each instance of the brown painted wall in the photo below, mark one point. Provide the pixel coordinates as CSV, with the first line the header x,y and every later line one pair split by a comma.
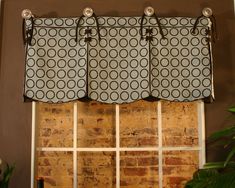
x,y
15,116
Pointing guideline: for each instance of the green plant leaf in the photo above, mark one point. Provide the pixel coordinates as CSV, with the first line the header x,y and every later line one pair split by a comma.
x,y
225,142
225,180
211,178
219,165
214,165
223,133
232,109
7,174
195,184
230,155
201,178
218,174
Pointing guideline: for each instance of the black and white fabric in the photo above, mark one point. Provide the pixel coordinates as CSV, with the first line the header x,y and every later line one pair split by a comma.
x,y
117,65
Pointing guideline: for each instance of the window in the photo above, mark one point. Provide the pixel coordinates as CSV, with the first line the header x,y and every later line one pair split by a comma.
x,y
98,145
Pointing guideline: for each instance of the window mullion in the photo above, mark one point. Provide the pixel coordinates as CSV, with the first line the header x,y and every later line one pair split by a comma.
x,y
159,117
201,133
117,126
75,121
33,145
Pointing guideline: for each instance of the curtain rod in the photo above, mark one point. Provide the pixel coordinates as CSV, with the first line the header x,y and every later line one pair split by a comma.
x,y
88,12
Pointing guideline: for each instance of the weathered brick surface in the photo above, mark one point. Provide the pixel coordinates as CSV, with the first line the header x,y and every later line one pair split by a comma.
x,y
139,169
96,125
56,168
96,128
138,124
178,167
179,124
96,169
55,125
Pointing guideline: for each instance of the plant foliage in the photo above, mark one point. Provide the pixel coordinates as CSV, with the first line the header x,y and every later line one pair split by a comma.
x,y
218,174
6,176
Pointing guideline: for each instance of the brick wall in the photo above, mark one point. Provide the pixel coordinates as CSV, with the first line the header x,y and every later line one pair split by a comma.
x,y
96,128
56,168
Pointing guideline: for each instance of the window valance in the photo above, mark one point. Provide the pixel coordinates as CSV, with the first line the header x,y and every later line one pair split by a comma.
x,y
118,59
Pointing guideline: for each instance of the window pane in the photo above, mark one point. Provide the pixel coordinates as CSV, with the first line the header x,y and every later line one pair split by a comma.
x,y
138,124
179,124
96,169
55,125
178,167
96,125
56,168
139,169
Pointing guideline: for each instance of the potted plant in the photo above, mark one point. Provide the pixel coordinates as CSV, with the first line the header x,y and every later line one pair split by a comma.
x,y
219,174
5,173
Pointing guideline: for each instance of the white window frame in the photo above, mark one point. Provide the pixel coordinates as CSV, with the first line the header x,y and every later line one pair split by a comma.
x,y
200,148
234,6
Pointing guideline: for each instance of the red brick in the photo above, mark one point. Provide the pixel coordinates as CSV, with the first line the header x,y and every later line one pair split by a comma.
x,y
130,181
44,171
149,161
135,171
50,181
147,141
87,172
46,132
154,170
174,161
168,170
44,162
130,162
129,142
150,181
177,180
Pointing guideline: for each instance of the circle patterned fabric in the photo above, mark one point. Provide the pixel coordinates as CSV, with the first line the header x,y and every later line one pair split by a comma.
x,y
180,64
120,67
56,66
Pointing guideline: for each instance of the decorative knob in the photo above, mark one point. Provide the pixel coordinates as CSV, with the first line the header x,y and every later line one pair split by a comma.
x,y
149,11
88,12
207,12
26,14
